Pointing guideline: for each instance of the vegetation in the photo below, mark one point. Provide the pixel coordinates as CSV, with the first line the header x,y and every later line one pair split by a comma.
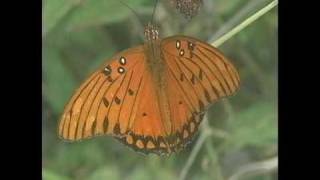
x,y
239,134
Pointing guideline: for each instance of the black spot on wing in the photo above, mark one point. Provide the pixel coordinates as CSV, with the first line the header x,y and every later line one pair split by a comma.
x,y
105,124
93,127
116,129
193,79
109,78
200,74
201,105
206,94
181,77
130,91
105,101
117,100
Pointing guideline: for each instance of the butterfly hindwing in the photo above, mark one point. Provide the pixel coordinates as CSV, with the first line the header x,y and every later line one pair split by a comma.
x,y
184,118
147,130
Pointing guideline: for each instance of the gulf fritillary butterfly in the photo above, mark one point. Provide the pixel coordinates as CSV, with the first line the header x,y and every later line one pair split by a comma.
x,y
151,97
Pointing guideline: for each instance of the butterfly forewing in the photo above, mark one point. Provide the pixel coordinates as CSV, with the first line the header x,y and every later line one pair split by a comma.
x,y
203,64
198,75
101,97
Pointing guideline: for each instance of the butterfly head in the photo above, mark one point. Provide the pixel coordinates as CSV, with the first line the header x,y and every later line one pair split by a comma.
x,y
151,32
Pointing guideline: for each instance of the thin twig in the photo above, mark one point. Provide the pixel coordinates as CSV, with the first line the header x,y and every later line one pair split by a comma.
x,y
213,154
192,156
256,168
219,133
244,24
237,18
228,109
204,134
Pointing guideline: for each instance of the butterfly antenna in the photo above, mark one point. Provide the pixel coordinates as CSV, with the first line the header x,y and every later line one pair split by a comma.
x,y
134,12
154,10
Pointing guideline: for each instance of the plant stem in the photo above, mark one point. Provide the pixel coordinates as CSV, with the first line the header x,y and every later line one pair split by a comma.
x,y
204,134
192,156
244,24
213,154
238,17
256,168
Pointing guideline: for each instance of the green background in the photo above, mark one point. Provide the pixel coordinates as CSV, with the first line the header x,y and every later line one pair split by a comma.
x,y
79,35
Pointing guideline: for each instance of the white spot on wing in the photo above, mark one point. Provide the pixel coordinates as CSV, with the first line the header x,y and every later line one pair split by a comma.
x,y
181,53
123,60
121,70
178,44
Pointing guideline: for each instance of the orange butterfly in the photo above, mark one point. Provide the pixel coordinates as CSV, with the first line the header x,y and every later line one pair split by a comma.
x,y
151,97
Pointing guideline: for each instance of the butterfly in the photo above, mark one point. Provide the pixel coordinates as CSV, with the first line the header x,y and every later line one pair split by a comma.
x,y
189,8
151,97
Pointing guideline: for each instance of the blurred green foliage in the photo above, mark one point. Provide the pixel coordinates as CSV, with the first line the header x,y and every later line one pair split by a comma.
x,y
78,35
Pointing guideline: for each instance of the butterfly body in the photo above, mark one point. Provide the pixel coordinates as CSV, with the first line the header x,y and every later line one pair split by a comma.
x,y
151,97
156,67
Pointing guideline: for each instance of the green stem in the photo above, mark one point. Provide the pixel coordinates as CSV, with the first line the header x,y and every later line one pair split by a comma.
x,y
193,154
244,24
216,172
237,18
256,168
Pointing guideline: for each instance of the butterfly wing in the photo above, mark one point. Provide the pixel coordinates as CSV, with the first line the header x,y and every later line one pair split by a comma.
x,y
100,98
147,130
198,75
118,99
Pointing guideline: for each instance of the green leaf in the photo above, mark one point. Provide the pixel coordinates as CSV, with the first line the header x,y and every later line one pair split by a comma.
x,y
140,173
69,58
54,11
50,175
85,51
98,12
106,172
58,81
228,7
255,126
147,172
